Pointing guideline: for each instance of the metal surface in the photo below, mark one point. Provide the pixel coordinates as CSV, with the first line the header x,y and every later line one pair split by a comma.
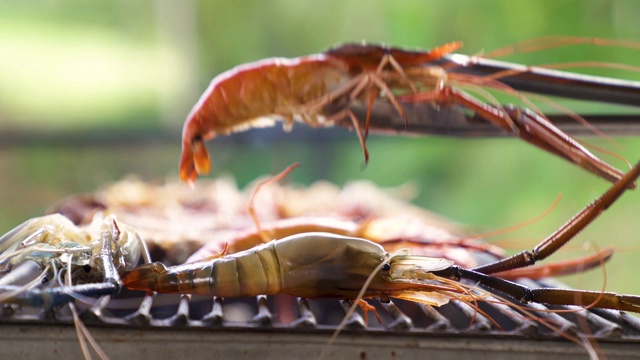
x,y
453,120
59,342
244,327
547,81
134,325
429,119
173,326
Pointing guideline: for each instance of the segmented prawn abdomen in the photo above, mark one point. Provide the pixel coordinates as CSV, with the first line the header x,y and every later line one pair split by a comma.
x,y
247,273
255,95
324,265
245,95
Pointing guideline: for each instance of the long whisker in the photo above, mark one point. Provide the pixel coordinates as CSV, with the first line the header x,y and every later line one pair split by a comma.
x,y
469,298
550,42
527,313
81,339
353,307
81,331
251,208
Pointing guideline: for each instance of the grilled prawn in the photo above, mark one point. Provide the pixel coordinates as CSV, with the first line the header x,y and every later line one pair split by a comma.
x,y
325,265
319,89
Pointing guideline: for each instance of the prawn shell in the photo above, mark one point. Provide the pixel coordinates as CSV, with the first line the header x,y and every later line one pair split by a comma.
x,y
363,56
255,95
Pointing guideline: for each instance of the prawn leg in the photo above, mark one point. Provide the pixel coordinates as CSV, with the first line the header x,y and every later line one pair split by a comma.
x,y
566,267
59,296
528,126
368,85
366,308
553,296
50,298
547,247
371,83
567,231
374,83
323,265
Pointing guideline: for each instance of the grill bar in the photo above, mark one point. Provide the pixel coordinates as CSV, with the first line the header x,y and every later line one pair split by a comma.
x,y
212,326
45,341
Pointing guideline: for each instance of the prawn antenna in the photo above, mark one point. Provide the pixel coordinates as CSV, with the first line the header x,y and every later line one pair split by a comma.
x,y
252,210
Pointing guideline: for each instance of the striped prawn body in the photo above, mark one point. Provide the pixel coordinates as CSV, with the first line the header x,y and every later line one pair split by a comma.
x,y
309,265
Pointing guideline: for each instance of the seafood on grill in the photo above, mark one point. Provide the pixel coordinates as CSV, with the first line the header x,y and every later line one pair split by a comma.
x,y
324,265
335,267
75,263
319,90
91,255
184,225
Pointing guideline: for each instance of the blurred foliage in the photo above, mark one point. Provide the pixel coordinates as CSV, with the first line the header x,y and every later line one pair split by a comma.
x,y
120,67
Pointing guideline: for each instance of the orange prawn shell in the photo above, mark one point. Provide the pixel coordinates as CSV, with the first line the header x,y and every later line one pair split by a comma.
x,y
247,95
252,95
369,56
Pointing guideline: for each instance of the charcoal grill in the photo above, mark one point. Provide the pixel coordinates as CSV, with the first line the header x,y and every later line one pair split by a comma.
x,y
161,326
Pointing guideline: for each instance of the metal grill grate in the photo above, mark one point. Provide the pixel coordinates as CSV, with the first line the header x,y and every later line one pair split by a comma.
x,y
147,326
151,326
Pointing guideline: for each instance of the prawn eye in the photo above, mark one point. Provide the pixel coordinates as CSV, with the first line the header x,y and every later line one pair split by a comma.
x,y
386,267
158,268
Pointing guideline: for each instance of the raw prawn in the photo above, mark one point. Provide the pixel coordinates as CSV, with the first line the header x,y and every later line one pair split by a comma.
x,y
181,225
92,253
392,232
319,89
54,238
323,265
90,257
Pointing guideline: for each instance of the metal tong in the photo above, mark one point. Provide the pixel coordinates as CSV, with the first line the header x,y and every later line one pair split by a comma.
x,y
429,118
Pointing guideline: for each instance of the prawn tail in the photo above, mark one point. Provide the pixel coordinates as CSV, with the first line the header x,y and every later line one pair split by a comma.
x,y
145,277
194,160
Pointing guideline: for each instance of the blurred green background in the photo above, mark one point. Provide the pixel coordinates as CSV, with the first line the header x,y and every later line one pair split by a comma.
x,y
93,91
